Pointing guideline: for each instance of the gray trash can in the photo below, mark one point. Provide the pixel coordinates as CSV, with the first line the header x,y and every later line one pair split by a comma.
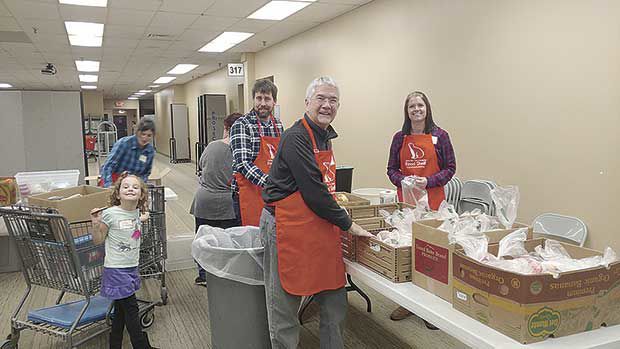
x,y
233,259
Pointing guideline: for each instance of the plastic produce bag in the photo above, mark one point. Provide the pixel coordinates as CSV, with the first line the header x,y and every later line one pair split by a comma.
x,y
234,253
506,200
513,244
413,194
475,244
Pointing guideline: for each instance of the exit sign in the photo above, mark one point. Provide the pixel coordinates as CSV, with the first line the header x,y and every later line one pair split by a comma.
x,y
235,69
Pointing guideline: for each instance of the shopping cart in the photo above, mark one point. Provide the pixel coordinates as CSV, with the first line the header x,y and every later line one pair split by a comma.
x,y
153,252
60,256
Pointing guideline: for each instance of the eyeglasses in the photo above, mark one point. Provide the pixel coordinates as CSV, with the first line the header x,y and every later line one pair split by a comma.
x,y
333,102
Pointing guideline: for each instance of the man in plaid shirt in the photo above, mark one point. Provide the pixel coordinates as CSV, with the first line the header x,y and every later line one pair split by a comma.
x,y
133,154
245,137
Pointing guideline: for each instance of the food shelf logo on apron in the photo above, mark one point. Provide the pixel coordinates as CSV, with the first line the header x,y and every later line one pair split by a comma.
x,y
330,176
272,154
417,157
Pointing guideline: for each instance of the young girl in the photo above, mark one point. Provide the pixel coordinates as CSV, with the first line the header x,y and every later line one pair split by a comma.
x,y
120,226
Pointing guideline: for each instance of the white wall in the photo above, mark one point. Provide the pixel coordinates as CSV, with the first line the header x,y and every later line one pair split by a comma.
x,y
44,129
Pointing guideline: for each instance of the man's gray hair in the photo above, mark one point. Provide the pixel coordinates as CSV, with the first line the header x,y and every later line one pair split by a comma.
x,y
321,80
146,123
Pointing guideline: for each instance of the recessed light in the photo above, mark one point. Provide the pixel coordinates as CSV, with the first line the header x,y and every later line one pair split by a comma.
x,y
96,3
225,41
278,10
182,69
164,79
132,97
88,78
145,91
85,33
5,85
89,87
87,66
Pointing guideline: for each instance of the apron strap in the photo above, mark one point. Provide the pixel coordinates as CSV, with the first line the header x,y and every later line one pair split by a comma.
x,y
273,122
314,147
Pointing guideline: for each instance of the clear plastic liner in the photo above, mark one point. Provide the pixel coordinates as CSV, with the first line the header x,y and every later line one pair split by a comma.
x,y
506,200
413,194
234,253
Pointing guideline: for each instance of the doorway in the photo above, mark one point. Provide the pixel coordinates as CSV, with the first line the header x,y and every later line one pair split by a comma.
x,y
120,121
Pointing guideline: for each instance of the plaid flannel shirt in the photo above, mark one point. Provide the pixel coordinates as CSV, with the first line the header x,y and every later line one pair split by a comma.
x,y
125,156
245,145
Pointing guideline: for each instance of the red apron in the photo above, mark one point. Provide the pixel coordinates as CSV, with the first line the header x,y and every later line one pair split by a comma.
x,y
250,201
309,252
418,157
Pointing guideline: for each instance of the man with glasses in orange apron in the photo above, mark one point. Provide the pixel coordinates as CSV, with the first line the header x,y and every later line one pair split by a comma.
x,y
301,225
254,142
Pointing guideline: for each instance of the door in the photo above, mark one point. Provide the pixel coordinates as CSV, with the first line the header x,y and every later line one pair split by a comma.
x,y
120,121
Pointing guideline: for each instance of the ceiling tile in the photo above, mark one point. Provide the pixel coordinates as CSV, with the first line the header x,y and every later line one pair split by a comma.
x,y
123,31
212,23
170,32
129,17
152,44
43,27
251,25
9,24
83,13
151,5
199,36
120,43
235,8
30,9
318,12
186,6
347,2
93,53
168,19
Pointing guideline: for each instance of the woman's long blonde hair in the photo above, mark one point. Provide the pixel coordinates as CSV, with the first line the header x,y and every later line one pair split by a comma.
x,y
115,199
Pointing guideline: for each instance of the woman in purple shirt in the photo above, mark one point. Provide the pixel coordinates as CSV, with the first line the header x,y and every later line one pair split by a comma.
x,y
423,149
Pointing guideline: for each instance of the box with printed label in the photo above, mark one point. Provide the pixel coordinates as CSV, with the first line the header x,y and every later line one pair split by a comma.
x,y
531,308
73,203
389,261
432,255
368,217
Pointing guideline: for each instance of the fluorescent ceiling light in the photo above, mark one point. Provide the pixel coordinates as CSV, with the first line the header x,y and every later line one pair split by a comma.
x,y
145,91
164,79
87,66
139,93
85,33
182,69
89,87
84,28
154,86
132,97
225,41
278,10
5,85
88,78
96,3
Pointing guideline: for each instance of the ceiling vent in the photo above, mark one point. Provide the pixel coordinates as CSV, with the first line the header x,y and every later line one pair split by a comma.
x,y
156,36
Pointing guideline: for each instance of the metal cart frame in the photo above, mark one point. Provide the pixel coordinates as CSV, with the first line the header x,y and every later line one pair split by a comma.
x,y
153,245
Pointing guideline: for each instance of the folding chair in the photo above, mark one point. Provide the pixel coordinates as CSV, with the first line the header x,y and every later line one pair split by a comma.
x,y
566,227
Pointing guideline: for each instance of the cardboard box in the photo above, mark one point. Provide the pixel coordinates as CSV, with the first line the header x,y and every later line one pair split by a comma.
x,y
432,256
368,217
352,199
8,191
391,262
74,208
531,308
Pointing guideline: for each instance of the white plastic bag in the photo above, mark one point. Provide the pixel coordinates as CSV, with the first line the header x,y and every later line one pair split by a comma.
x,y
513,244
234,253
506,200
475,244
413,194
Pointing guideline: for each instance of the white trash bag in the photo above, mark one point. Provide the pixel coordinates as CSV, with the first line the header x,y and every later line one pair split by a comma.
x,y
506,200
233,253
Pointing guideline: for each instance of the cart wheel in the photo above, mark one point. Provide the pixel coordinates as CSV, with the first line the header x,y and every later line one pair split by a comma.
x,y
146,320
164,296
7,344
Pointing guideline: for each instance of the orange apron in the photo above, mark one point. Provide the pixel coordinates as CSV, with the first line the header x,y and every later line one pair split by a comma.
x,y
309,252
418,157
250,201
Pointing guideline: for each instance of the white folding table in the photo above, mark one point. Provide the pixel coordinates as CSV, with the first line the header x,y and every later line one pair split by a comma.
x,y
469,331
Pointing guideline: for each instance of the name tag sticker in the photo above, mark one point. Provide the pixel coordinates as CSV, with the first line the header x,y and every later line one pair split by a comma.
x,y
142,158
126,224
434,139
